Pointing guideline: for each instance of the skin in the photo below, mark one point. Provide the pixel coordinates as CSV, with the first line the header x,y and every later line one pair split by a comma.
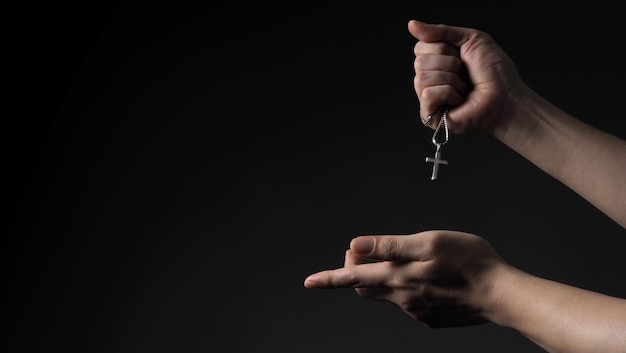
x,y
447,278
467,70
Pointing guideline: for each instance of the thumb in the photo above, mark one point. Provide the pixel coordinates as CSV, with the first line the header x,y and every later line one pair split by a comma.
x,y
429,33
388,247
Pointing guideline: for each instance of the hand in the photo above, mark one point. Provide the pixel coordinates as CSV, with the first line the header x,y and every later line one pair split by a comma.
x,y
442,278
466,70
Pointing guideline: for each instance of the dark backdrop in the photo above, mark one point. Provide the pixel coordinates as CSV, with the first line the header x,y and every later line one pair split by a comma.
x,y
175,170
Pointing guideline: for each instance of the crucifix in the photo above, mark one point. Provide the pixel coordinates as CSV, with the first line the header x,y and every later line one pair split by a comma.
x,y
437,160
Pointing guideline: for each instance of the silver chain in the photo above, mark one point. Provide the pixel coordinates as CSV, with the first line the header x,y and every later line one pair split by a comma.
x,y
442,122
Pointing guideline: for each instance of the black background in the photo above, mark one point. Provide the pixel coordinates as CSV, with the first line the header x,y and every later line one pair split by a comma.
x,y
175,170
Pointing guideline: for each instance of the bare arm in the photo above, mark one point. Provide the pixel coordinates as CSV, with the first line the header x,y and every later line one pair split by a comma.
x,y
467,70
589,161
558,317
447,279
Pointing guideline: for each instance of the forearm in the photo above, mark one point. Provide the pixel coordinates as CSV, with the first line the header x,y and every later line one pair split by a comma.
x,y
558,317
589,161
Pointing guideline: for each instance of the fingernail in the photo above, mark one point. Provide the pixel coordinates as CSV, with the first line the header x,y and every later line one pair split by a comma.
x,y
362,245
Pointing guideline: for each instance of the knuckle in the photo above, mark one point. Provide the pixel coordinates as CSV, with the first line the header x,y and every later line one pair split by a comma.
x,y
351,278
436,242
419,63
396,281
429,269
389,246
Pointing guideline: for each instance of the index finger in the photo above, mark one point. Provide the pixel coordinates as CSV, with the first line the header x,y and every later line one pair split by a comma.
x,y
345,277
371,275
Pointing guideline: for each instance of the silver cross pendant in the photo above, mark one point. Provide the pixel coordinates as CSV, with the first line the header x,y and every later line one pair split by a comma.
x,y
436,161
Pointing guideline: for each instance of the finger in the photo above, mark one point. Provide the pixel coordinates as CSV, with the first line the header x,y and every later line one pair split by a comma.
x,y
348,277
439,48
425,79
380,275
413,247
435,89
369,275
426,32
375,293
439,80
351,259
436,62
433,98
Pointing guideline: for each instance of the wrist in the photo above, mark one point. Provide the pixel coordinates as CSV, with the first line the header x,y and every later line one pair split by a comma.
x,y
496,295
518,116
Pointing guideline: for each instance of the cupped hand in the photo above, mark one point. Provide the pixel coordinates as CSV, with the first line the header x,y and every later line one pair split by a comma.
x,y
441,278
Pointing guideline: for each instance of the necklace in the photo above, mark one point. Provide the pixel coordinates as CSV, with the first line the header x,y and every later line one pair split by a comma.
x,y
442,129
